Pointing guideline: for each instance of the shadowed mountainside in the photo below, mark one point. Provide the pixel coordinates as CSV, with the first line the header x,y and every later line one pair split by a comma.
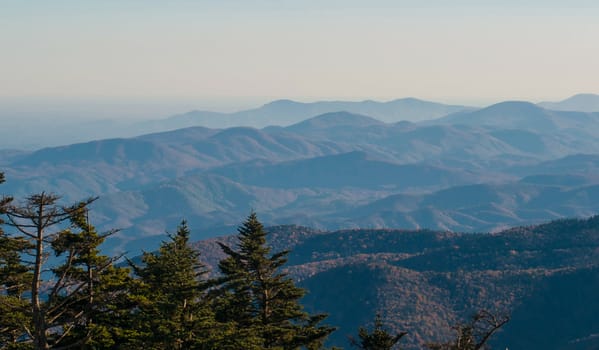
x,y
425,281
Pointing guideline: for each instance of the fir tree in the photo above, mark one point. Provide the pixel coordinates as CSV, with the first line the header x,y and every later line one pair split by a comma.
x,y
378,339
173,312
262,301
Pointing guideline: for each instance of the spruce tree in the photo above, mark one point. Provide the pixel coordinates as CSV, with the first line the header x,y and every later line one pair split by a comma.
x,y
377,339
261,300
170,294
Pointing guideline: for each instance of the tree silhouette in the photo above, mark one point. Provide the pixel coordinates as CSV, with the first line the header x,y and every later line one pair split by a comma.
x,y
377,339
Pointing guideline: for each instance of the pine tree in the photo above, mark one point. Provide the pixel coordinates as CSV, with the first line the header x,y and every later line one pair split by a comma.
x,y
173,312
378,339
262,301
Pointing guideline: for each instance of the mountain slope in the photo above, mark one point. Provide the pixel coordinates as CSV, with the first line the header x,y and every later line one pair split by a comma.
x,y
105,166
424,281
480,207
563,304
353,169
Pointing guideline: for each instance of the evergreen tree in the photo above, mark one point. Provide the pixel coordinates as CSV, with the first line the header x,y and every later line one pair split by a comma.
x,y
173,311
378,339
101,293
60,307
15,277
261,301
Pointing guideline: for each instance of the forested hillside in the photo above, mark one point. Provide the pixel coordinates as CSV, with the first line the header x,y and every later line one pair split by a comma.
x,y
424,281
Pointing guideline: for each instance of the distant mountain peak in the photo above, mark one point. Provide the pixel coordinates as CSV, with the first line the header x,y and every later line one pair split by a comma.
x,y
344,116
282,101
512,108
507,114
411,99
512,104
584,102
583,95
336,119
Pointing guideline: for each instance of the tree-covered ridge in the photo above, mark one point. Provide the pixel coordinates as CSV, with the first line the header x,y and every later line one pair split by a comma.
x,y
425,282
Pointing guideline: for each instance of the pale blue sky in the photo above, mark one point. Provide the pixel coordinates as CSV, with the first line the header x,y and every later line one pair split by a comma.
x,y
229,53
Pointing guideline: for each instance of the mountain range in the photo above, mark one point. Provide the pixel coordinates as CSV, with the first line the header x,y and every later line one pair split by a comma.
x,y
385,199
512,163
287,112
45,131
28,133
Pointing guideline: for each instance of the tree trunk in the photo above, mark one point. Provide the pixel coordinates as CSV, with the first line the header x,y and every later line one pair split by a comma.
x,y
39,320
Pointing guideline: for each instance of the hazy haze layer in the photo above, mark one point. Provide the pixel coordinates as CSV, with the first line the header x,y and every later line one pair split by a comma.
x,y
455,52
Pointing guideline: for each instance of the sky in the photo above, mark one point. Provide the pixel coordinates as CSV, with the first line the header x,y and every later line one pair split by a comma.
x,y
144,56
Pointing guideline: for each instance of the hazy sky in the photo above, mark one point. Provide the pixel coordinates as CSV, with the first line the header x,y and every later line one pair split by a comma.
x,y
229,53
